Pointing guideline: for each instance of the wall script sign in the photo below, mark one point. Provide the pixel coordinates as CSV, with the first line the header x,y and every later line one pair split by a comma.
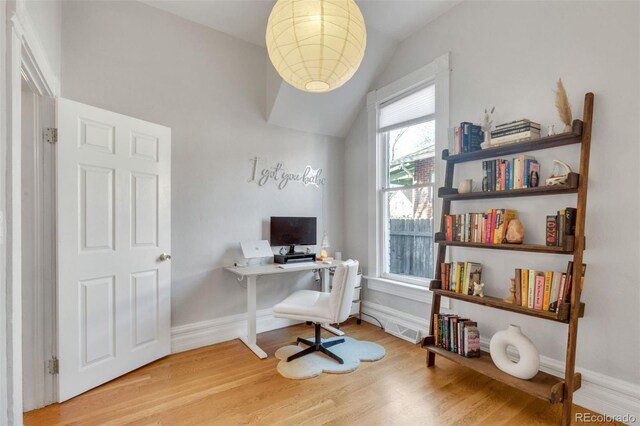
x,y
281,177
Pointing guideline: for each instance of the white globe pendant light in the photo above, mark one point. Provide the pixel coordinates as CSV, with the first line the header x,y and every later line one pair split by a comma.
x,y
316,45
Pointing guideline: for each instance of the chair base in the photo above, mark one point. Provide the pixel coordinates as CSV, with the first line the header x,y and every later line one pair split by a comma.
x,y
317,346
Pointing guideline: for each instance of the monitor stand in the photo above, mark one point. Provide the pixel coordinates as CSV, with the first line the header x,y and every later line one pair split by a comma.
x,y
292,250
294,257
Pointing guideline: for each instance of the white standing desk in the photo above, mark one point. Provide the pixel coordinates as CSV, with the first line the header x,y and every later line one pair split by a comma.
x,y
253,272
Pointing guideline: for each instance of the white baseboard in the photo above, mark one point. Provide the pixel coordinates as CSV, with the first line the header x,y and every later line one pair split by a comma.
x,y
204,333
600,393
385,314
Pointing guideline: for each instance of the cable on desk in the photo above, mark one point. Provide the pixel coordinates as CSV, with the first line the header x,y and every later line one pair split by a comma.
x,y
240,278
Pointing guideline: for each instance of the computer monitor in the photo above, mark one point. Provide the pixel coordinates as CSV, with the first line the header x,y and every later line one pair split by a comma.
x,y
293,231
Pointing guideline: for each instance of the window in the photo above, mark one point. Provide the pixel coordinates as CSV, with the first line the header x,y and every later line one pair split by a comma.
x,y
407,129
407,124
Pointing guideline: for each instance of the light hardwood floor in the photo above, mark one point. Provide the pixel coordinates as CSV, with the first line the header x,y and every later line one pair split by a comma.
x,y
226,384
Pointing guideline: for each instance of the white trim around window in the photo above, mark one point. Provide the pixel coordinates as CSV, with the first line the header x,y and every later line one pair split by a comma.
x,y
417,293
435,72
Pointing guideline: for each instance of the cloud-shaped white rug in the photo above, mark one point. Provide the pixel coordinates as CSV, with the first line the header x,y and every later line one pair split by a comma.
x,y
352,351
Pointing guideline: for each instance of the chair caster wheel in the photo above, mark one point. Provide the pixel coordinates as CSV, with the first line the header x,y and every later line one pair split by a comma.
x,y
358,321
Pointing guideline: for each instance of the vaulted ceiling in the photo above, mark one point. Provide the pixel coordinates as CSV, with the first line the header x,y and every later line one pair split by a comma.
x,y
388,22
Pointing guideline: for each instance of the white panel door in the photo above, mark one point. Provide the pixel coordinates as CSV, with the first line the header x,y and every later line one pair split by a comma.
x,y
114,223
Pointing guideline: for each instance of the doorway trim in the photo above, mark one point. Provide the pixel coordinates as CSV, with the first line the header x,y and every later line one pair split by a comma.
x,y
25,58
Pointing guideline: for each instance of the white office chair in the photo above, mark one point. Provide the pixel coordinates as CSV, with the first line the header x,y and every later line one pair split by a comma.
x,y
320,307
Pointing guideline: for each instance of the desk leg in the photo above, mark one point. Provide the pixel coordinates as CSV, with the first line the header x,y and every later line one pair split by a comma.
x,y
325,280
250,339
326,289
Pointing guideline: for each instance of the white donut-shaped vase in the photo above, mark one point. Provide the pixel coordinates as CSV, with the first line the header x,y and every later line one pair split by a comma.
x,y
528,365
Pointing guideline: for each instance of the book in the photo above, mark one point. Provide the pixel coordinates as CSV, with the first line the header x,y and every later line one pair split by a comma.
x,y
551,233
538,297
451,332
564,296
518,288
534,174
454,277
503,175
460,277
485,177
474,274
529,167
465,136
524,285
472,136
563,283
570,221
451,140
516,123
465,278
449,225
461,325
448,277
548,277
561,226
519,171
571,280
512,130
494,220
476,137
452,280
555,284
471,341
454,333
516,137
532,289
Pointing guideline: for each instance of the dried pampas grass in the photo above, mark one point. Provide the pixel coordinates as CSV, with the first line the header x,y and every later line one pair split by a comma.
x,y
562,104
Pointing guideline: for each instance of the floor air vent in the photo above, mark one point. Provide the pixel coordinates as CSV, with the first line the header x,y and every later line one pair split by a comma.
x,y
406,333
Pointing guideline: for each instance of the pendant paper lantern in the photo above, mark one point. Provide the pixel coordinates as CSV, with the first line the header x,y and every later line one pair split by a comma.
x,y
316,45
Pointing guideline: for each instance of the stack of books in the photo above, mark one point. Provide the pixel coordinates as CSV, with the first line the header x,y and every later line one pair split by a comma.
x,y
485,228
456,334
544,290
501,175
460,276
516,131
465,138
561,228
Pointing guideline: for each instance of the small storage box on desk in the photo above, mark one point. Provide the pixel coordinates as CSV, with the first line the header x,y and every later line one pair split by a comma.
x,y
542,385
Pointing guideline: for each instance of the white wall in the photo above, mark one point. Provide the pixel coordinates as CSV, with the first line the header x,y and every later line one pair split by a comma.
x,y
210,88
46,17
509,55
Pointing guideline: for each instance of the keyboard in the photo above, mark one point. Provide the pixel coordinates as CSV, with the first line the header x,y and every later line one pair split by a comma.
x,y
294,265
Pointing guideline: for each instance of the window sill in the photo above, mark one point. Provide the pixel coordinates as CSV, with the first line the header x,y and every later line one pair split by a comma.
x,y
413,292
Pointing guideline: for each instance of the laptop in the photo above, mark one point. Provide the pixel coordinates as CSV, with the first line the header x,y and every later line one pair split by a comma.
x,y
255,249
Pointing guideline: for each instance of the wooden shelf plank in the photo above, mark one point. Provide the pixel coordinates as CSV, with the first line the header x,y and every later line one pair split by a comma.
x,y
533,248
561,316
570,188
515,148
544,386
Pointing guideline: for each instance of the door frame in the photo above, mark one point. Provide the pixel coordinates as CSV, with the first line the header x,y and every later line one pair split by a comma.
x,y
38,251
22,57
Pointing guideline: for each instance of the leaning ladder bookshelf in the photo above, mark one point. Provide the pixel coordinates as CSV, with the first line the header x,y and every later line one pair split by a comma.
x,y
545,386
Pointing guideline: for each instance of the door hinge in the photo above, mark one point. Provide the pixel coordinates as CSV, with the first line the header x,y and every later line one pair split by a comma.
x,y
53,366
51,135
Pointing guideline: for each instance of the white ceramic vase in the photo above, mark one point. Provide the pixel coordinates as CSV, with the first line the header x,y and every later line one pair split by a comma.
x,y
529,363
